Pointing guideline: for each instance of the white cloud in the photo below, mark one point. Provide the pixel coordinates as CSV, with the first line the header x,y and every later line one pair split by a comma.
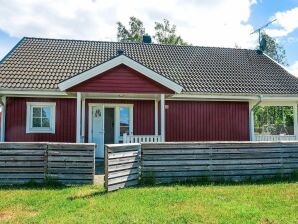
x,y
204,22
286,21
294,68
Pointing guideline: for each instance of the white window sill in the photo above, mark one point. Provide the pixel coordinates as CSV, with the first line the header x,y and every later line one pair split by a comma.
x,y
36,131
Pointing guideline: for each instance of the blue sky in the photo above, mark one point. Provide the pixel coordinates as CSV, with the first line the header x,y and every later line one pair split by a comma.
x,y
264,10
206,23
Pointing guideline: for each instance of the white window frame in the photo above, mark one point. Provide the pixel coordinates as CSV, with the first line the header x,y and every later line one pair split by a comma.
x,y
117,120
29,117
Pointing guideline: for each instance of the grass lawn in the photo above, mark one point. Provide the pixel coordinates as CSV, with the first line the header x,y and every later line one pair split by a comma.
x,y
246,203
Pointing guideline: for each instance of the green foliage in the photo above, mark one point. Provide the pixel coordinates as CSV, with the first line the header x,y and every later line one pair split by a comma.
x,y
166,34
274,119
135,32
274,50
245,203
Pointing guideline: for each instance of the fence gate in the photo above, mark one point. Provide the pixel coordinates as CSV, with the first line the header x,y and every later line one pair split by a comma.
x,y
122,165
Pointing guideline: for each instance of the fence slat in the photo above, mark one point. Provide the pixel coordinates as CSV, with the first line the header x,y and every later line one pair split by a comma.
x,y
122,185
63,162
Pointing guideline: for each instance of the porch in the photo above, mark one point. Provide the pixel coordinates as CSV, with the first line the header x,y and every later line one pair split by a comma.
x,y
273,120
109,118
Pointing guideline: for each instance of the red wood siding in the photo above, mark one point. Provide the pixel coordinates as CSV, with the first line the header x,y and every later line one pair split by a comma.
x,y
120,79
185,121
143,115
16,121
207,121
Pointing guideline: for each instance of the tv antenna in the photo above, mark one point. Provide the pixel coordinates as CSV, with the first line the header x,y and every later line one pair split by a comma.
x,y
262,42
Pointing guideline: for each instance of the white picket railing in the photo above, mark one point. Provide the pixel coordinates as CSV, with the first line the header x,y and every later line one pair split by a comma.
x,y
141,138
275,138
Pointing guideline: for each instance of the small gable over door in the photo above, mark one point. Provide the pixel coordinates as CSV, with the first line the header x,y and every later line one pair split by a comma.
x,y
120,79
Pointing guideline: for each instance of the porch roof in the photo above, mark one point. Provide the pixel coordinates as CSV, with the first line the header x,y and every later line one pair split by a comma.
x,y
41,64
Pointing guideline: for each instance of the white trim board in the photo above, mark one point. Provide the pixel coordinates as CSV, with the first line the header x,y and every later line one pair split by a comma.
x,y
225,97
121,59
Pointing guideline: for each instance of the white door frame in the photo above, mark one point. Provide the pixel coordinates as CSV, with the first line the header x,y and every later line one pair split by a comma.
x,y
117,119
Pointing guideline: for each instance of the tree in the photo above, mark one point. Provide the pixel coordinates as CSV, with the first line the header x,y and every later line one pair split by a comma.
x,y
274,50
166,34
135,32
274,119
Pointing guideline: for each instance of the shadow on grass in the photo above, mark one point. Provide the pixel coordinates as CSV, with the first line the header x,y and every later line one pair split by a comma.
x,y
49,185
87,196
222,182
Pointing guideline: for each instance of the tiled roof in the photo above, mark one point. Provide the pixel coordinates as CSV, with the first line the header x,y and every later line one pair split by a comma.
x,y
37,63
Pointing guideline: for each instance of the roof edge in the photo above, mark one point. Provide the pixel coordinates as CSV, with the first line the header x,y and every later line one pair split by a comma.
x,y
12,50
140,43
280,65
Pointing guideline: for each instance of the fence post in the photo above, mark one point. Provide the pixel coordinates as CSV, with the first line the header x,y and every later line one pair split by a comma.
x,y
210,167
140,163
106,168
282,162
46,155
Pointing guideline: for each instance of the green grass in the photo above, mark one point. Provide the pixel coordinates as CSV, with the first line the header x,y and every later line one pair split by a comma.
x,y
246,203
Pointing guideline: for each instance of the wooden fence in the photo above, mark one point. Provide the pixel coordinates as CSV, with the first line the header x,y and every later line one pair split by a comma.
x,y
122,165
174,162
67,163
169,162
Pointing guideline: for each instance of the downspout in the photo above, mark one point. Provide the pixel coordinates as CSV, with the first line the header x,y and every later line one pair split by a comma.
x,y
251,127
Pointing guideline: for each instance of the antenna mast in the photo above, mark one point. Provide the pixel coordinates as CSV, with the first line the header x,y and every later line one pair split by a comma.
x,y
261,28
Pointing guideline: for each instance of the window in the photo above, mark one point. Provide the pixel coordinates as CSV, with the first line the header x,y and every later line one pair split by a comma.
x,y
40,117
124,120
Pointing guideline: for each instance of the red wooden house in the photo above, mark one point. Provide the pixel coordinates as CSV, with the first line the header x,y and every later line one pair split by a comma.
x,y
108,92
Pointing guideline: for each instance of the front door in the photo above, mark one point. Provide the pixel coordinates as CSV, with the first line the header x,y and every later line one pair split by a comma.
x,y
109,125
97,129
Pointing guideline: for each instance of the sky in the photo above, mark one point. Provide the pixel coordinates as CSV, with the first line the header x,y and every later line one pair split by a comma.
x,y
221,23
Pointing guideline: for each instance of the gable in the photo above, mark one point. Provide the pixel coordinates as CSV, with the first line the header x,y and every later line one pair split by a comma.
x,y
120,79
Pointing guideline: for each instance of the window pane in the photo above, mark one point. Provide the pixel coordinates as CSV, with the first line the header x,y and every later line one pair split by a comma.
x,y
36,122
124,120
124,116
45,122
36,112
46,112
